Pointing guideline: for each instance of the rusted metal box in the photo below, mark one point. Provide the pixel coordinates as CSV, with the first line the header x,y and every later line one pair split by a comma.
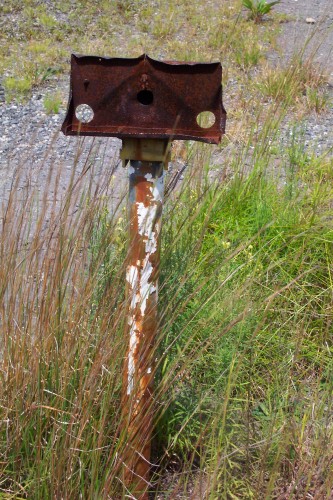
x,y
144,98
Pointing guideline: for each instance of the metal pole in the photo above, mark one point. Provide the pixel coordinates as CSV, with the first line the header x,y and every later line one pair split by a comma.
x,y
145,209
147,104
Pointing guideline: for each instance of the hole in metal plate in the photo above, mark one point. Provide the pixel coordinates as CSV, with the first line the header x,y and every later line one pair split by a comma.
x,y
84,113
206,119
145,97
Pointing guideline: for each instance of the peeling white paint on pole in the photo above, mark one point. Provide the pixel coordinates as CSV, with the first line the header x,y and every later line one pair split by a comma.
x,y
132,277
146,288
157,189
140,292
146,217
149,177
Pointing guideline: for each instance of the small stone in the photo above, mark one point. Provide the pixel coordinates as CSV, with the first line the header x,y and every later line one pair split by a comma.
x,y
310,20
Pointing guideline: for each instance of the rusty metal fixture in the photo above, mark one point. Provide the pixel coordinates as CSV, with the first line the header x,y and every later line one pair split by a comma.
x,y
144,98
145,211
148,104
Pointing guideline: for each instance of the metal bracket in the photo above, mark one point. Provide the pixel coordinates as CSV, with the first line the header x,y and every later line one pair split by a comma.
x,y
144,98
146,150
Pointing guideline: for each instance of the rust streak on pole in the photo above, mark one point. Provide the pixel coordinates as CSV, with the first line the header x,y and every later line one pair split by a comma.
x,y
145,210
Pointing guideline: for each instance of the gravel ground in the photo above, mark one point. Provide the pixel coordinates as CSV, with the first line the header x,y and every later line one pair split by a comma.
x,y
297,30
31,139
317,129
31,142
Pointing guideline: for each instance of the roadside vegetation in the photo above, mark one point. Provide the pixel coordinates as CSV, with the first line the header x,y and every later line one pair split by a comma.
x,y
259,8
244,377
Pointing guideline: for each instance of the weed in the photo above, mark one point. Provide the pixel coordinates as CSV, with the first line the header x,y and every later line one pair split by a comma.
x,y
291,83
52,103
258,8
47,21
15,86
317,99
248,55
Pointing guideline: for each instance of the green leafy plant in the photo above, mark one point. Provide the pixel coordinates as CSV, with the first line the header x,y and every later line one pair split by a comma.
x,y
259,8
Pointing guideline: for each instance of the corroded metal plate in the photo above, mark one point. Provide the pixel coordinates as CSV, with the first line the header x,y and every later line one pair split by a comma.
x,y
144,98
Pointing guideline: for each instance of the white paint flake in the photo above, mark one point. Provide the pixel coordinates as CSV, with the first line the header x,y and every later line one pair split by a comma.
x,y
132,277
146,288
146,218
157,189
149,177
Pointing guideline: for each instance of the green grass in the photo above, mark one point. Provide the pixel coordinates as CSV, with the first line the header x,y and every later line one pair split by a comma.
x,y
243,386
298,83
244,378
52,103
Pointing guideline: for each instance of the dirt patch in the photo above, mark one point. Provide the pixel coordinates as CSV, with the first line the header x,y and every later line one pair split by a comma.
x,y
299,33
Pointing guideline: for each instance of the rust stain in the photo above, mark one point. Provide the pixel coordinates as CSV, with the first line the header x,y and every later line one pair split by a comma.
x,y
146,197
145,98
